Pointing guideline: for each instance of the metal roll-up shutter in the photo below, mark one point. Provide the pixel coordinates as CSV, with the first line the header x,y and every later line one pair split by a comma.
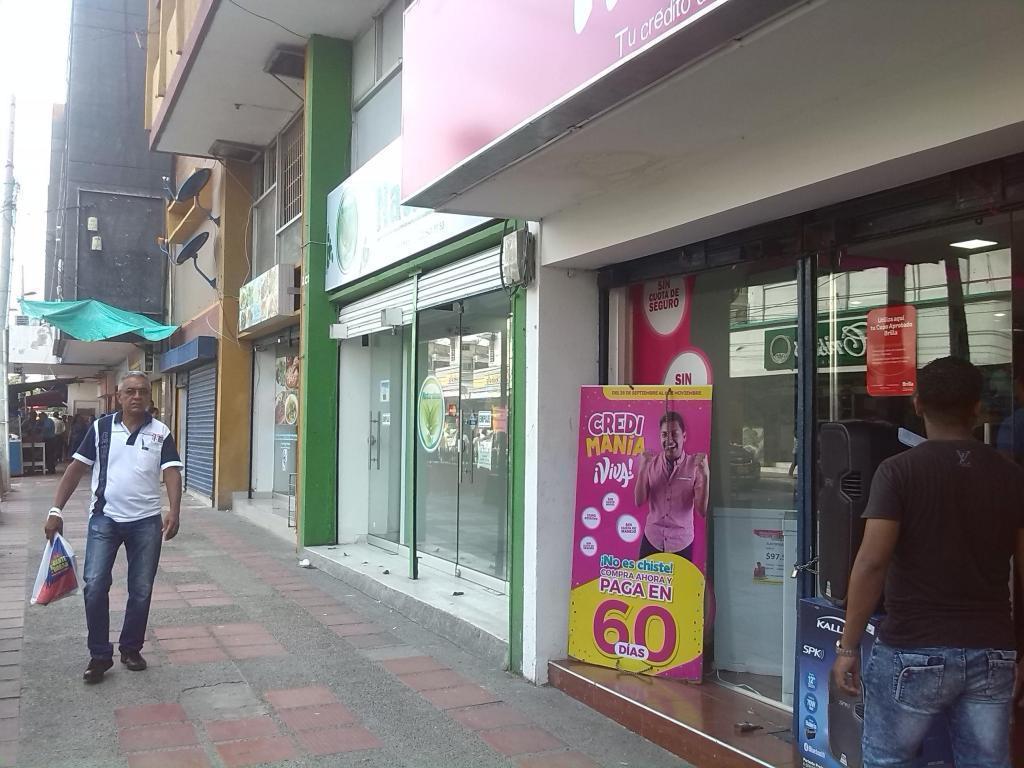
x,y
199,428
365,316
470,277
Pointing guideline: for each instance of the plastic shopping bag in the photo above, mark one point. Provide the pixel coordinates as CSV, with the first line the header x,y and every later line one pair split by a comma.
x,y
58,576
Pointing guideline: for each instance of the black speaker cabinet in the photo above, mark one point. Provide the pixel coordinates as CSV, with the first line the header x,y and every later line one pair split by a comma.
x,y
845,726
849,452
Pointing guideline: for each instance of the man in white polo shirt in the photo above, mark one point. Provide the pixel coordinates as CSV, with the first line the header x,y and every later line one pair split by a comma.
x,y
127,451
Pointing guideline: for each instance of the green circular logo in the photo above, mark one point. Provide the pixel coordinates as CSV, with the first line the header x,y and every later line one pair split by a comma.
x,y
430,414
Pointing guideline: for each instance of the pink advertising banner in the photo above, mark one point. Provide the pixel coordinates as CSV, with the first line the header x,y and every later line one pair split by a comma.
x,y
640,533
474,70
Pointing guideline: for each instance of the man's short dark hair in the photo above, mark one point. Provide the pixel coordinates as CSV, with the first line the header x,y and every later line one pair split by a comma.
x,y
671,417
949,389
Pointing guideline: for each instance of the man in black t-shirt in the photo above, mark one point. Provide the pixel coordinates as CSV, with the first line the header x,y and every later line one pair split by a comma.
x,y
942,523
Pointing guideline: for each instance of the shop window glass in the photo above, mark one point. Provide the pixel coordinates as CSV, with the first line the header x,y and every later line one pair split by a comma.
x,y
286,418
961,305
742,324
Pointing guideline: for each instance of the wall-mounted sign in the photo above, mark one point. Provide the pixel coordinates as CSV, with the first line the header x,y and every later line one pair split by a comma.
x,y
892,351
368,228
264,298
465,88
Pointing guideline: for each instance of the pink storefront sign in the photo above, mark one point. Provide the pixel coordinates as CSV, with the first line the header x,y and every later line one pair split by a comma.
x,y
476,70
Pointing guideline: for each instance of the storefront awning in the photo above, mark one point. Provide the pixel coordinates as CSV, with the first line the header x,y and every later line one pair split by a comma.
x,y
92,320
191,354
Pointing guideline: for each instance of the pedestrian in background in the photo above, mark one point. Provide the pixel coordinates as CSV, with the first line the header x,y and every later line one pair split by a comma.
x,y
60,430
76,433
48,431
128,452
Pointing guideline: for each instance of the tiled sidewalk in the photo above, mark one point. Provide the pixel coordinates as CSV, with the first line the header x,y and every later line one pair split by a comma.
x,y
255,661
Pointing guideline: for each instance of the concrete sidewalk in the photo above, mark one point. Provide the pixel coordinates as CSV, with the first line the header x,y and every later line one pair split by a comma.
x,y
254,661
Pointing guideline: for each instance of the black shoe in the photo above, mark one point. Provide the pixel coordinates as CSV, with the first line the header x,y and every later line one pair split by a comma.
x,y
133,660
94,672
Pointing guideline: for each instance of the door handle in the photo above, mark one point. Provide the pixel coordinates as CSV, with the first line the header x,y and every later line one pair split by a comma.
x,y
370,440
378,440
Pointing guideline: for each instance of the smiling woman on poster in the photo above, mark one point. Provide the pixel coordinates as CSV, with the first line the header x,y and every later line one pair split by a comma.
x,y
675,484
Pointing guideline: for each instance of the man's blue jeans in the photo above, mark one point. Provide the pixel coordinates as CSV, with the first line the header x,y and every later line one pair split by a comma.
x,y
906,690
141,539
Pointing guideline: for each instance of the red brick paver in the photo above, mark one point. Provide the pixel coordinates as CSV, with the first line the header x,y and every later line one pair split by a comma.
x,y
168,633
488,716
187,643
197,656
256,751
521,740
148,737
337,740
429,681
174,758
149,714
248,728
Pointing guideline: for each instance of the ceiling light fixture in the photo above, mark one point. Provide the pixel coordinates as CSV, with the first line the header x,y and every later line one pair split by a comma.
x,y
1000,314
970,245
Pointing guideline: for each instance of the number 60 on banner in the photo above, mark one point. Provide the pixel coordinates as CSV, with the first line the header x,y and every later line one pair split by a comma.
x,y
631,639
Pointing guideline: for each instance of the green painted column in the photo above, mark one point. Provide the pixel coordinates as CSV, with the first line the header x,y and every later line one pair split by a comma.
x,y
328,126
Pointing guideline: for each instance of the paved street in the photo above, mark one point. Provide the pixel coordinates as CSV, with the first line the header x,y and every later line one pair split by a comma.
x,y
253,660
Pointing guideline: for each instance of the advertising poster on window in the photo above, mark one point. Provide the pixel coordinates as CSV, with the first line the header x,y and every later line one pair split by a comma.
x,y
892,351
640,529
662,353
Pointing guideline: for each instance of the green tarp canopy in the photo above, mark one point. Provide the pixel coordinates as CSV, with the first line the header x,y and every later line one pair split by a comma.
x,y
91,320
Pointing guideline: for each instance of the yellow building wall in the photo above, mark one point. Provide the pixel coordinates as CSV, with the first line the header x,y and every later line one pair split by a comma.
x,y
234,357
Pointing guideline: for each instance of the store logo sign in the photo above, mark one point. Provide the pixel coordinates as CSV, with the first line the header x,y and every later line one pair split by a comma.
x,y
831,624
430,414
810,650
582,9
847,346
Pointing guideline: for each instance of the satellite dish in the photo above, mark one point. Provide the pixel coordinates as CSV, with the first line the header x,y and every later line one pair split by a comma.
x,y
190,189
194,184
190,250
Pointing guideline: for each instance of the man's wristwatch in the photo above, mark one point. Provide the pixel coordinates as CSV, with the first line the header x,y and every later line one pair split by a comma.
x,y
56,512
840,651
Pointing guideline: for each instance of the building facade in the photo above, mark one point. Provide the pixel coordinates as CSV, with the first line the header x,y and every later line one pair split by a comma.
x,y
747,196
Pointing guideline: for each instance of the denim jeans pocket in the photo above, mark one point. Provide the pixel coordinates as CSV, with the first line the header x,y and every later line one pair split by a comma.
x,y
1002,671
917,680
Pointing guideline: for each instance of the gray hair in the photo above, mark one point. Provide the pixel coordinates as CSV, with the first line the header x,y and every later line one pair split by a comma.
x,y
132,375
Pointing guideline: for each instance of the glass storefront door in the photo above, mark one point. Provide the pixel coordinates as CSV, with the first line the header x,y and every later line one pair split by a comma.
x,y
461,430
384,440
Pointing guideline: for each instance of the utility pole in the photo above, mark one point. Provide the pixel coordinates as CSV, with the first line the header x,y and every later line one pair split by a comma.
x,y
6,243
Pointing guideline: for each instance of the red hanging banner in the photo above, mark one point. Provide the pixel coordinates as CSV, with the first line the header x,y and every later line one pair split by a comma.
x,y
892,351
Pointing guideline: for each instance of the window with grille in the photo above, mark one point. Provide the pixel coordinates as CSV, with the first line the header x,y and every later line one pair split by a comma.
x,y
290,189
